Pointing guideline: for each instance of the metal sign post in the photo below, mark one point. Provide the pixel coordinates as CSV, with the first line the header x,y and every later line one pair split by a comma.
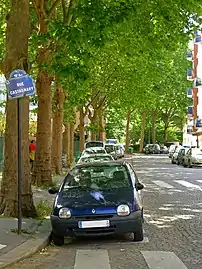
x,y
20,85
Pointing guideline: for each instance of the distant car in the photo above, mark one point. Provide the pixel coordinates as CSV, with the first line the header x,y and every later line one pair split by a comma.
x,y
171,150
94,150
181,155
111,149
163,149
175,154
152,149
94,144
193,157
95,158
119,150
101,198
111,141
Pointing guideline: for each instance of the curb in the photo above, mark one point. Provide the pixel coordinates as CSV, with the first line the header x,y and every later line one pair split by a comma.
x,y
25,250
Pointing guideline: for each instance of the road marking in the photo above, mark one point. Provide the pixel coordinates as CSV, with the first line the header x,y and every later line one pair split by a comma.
x,y
2,246
92,259
163,184
162,260
188,184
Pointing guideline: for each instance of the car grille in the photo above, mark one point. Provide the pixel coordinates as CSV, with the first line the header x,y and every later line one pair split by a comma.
x,y
93,217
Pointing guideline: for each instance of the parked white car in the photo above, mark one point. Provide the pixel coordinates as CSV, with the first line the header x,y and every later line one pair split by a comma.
x,y
94,150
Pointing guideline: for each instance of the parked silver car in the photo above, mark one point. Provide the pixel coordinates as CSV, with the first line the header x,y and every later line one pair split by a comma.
x,y
193,157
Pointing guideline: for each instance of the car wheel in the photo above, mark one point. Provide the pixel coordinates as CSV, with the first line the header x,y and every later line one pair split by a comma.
x,y
138,234
57,240
177,162
172,161
189,164
184,164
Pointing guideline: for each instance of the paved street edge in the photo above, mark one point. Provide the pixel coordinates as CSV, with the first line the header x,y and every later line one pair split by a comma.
x,y
25,250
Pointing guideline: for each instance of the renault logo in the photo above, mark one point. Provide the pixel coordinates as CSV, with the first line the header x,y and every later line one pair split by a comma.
x,y
93,211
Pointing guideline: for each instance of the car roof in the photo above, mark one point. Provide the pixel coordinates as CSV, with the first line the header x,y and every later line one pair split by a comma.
x,y
93,148
100,164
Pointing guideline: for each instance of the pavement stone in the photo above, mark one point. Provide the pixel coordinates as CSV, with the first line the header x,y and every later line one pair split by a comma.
x,y
27,244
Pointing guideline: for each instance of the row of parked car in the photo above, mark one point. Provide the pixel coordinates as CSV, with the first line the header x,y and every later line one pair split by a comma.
x,y
188,157
98,196
101,151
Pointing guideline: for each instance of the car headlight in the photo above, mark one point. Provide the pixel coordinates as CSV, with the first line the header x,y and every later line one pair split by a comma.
x,y
64,213
123,210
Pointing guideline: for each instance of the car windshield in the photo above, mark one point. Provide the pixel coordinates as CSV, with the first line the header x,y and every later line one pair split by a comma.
x,y
94,150
109,148
96,158
94,144
97,177
178,149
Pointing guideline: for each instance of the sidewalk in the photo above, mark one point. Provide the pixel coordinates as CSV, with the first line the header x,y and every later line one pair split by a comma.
x,y
36,233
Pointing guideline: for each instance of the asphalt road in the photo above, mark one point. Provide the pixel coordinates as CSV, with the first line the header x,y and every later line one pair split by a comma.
x,y
173,234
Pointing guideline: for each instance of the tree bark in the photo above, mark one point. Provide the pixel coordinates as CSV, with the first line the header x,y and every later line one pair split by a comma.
x,y
81,130
42,168
71,153
127,131
154,116
68,145
16,58
102,132
166,125
142,130
57,128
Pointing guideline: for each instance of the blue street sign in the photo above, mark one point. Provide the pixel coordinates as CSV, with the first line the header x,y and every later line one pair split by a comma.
x,y
20,84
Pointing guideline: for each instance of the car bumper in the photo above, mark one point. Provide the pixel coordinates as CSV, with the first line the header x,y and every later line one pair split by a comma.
x,y
118,225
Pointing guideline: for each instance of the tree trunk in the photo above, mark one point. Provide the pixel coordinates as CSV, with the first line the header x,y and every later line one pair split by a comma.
x,y
42,167
57,128
102,132
154,116
166,125
94,124
127,131
71,153
16,58
81,131
65,140
142,130
68,145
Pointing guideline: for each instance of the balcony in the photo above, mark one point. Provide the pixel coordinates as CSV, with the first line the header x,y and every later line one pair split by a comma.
x,y
189,55
190,74
197,82
197,39
198,123
190,110
189,92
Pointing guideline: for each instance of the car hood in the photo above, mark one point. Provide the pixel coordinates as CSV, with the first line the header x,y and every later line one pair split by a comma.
x,y
87,199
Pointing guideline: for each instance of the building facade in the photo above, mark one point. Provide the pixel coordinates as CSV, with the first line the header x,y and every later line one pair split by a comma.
x,y
192,132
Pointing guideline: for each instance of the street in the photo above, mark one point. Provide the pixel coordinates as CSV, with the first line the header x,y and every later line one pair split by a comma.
x,y
172,228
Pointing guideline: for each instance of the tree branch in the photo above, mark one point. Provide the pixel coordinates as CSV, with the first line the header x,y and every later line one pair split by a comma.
x,y
55,3
72,4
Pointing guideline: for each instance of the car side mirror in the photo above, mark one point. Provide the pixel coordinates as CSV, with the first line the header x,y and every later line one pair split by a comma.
x,y
139,186
53,190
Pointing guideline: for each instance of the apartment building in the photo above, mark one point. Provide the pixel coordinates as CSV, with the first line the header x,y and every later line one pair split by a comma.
x,y
192,133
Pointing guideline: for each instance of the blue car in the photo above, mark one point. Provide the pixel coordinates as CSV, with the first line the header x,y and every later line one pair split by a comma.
x,y
101,198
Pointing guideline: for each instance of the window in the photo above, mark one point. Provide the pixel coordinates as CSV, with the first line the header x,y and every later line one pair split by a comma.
x,y
99,177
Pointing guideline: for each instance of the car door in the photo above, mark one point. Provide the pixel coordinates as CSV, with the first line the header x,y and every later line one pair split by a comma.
x,y
187,156
135,180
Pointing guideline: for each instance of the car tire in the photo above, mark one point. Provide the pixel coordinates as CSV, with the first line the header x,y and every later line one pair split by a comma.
x,y
57,240
184,164
138,234
189,164
172,162
177,162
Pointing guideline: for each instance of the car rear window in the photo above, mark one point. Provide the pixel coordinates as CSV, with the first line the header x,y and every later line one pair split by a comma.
x,y
96,158
98,177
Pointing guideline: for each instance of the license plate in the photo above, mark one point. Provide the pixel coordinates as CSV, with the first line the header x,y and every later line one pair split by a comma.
x,y
93,224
